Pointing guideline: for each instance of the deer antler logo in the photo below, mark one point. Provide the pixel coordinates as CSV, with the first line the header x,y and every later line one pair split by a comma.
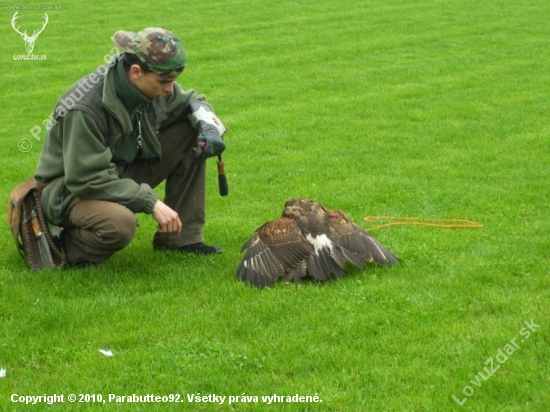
x,y
29,40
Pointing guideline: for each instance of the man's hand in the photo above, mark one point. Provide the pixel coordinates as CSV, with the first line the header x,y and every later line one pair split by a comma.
x,y
209,131
167,218
209,142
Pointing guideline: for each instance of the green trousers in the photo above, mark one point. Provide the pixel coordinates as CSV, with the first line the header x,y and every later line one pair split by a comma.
x,y
94,229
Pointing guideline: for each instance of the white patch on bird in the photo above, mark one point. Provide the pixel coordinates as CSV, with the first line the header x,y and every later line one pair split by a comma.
x,y
319,242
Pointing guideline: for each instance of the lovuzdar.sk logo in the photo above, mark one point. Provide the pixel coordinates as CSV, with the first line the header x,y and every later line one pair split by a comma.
x,y
29,40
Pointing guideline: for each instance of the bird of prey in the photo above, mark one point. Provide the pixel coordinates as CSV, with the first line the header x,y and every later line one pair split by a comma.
x,y
308,241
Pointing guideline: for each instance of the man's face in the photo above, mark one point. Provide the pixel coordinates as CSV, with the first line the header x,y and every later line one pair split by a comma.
x,y
153,85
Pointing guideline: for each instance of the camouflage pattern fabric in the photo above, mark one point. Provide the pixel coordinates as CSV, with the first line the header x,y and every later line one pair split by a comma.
x,y
159,49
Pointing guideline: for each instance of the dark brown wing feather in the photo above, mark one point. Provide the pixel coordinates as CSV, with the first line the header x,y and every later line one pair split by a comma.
x,y
358,245
322,264
276,249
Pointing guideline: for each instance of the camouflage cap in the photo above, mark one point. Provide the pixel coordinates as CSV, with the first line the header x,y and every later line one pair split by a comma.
x,y
159,49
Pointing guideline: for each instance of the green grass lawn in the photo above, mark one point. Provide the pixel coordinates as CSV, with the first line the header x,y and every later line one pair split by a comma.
x,y
428,109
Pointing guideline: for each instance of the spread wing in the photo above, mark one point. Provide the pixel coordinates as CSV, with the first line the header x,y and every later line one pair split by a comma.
x,y
276,250
358,245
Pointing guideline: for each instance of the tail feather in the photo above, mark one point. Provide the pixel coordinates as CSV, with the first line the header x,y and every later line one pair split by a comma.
x,y
297,274
321,265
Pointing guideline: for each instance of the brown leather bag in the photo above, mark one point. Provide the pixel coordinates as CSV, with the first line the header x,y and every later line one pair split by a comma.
x,y
30,229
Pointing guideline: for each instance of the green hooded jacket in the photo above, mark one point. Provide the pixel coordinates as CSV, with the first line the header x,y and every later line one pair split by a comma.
x,y
93,135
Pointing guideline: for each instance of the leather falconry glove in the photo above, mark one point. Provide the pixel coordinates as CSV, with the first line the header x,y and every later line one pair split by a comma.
x,y
209,131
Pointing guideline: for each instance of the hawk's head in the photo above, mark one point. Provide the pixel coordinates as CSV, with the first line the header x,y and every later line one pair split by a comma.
x,y
311,216
297,208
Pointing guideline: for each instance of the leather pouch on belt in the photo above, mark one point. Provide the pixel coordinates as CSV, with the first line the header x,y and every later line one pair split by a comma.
x,y
30,229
